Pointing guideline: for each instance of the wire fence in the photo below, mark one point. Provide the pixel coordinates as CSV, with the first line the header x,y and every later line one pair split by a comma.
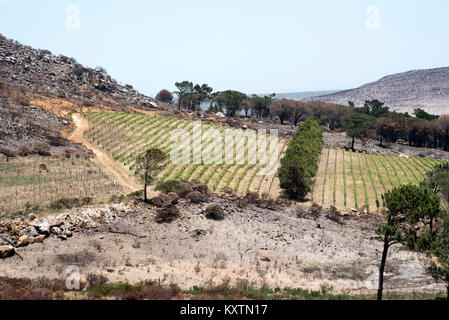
x,y
38,182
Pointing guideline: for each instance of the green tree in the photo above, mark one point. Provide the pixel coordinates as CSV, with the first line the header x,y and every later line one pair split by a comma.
x,y
357,125
232,101
213,102
374,108
261,106
406,207
436,241
151,161
421,114
185,90
438,180
199,95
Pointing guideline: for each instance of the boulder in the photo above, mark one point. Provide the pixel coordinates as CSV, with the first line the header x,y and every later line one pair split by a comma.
x,y
6,251
62,237
44,228
30,231
39,239
23,241
56,223
55,230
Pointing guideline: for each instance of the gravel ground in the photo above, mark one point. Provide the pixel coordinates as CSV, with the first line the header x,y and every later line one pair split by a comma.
x,y
273,247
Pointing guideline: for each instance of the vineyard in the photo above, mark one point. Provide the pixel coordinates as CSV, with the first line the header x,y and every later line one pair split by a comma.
x,y
36,183
349,179
124,136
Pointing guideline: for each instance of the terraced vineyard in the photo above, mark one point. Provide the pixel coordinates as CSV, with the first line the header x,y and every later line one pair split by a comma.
x,y
27,183
349,179
124,136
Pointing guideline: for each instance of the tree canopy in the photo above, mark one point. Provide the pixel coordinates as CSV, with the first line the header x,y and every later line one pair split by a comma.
x,y
357,125
409,215
232,101
148,163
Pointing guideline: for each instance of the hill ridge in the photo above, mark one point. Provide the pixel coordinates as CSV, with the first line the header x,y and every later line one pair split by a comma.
x,y
427,89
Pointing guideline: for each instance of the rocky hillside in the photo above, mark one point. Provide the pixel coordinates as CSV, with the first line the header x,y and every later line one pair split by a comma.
x,y
40,71
426,89
38,90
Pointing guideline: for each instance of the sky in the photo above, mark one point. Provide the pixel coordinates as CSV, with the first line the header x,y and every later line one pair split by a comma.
x,y
254,46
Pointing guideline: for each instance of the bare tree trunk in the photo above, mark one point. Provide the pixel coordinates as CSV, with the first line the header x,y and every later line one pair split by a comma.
x,y
382,269
146,182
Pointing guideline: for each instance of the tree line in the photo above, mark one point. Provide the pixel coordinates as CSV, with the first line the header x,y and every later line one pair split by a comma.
x,y
373,120
376,120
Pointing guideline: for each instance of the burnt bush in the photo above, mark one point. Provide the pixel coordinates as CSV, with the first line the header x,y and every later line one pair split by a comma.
x,y
66,203
7,152
56,140
164,96
37,289
25,151
164,200
147,290
252,197
199,186
167,214
42,148
193,190
197,197
86,200
96,279
214,212
315,210
334,215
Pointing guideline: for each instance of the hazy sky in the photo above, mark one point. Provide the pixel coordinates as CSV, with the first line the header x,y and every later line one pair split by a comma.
x,y
254,46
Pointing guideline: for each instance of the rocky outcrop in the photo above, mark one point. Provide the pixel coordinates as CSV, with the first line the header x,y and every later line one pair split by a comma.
x,y
43,72
24,231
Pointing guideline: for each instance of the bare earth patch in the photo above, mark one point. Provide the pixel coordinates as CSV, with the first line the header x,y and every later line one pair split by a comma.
x,y
276,248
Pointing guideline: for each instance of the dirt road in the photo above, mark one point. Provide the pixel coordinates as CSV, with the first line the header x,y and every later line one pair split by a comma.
x,y
118,172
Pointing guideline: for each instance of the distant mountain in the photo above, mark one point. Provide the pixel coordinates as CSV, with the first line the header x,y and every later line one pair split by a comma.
x,y
426,89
